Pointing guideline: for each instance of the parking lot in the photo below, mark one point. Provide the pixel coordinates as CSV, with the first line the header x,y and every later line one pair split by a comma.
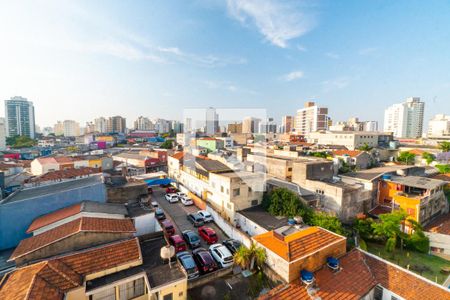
x,y
177,213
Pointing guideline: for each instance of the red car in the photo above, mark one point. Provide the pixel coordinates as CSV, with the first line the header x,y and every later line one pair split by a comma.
x,y
168,227
171,190
208,234
178,242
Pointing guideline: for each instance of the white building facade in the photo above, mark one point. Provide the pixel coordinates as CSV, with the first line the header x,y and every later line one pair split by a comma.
x,y
311,118
405,120
439,127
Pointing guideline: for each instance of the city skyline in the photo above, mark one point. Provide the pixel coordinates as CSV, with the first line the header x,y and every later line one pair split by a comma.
x,y
226,55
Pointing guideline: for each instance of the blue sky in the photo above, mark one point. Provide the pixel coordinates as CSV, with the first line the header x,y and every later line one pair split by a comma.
x,y
84,59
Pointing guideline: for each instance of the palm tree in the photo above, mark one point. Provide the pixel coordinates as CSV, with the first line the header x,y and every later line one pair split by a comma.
x,y
246,258
242,257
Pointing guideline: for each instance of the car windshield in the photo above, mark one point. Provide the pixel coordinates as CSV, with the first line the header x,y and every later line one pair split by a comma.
x,y
188,262
193,238
212,235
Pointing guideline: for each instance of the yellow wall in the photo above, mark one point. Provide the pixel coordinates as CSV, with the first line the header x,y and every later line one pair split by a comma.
x,y
95,163
388,190
104,138
178,290
410,205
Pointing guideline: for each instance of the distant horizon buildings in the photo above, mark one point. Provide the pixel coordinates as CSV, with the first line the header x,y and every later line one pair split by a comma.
x,y
439,127
2,134
354,124
19,117
287,124
67,128
143,123
405,119
250,125
311,118
116,124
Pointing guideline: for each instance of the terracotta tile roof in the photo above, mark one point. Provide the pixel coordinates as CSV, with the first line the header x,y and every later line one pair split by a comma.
x,y
440,225
298,244
445,177
50,279
105,257
34,243
353,281
417,151
46,160
360,273
178,155
63,174
404,283
54,216
63,159
351,153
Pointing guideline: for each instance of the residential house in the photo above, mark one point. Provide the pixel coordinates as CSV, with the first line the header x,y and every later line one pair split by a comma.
x,y
290,249
438,231
422,198
360,160
42,165
352,140
210,144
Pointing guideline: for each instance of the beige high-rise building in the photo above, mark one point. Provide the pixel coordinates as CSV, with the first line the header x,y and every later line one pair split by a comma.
x,y
287,124
250,125
116,124
67,128
439,127
101,125
143,123
311,118
234,128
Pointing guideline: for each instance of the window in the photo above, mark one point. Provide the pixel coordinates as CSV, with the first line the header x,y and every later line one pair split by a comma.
x,y
168,297
221,189
378,293
236,192
249,189
108,294
254,202
132,289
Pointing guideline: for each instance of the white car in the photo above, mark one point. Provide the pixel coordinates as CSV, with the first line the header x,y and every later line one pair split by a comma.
x,y
154,204
181,195
186,201
207,217
172,198
222,255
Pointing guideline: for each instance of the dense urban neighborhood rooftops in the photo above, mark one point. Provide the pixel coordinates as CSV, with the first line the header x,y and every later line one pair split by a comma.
x,y
261,217
440,225
371,174
418,182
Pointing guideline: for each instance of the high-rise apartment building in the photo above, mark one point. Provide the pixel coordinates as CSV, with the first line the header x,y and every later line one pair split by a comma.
x,y
143,123
212,121
287,124
311,118
19,117
439,127
250,125
117,124
405,119
67,128
101,125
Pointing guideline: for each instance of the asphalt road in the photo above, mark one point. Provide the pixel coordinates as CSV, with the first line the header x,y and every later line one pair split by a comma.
x,y
177,212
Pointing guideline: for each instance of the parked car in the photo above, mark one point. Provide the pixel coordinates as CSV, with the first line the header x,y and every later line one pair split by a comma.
x,y
178,242
195,219
232,245
186,201
204,260
222,255
168,227
171,190
207,217
159,214
180,194
191,238
172,198
188,263
208,234
154,204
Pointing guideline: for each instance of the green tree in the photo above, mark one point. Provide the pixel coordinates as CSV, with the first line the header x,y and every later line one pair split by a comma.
x,y
167,144
389,229
444,146
406,157
327,221
364,228
319,154
242,257
429,158
20,141
443,169
284,202
365,147
249,258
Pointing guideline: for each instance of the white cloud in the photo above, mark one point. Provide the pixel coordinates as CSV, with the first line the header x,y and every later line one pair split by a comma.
x,y
332,55
227,86
301,48
278,22
336,83
293,76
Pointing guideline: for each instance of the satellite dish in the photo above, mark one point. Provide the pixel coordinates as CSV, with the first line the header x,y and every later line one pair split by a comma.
x,y
167,252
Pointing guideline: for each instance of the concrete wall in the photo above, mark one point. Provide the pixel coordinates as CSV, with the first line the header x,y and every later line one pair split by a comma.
x,y
15,217
145,224
248,226
128,192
